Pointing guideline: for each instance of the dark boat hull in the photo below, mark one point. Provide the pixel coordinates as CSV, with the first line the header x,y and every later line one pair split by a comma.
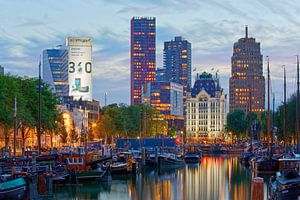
x,y
87,176
165,162
291,192
192,159
267,166
119,171
17,191
150,162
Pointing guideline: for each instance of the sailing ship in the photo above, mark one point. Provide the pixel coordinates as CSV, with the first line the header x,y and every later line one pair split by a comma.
x,y
267,164
286,183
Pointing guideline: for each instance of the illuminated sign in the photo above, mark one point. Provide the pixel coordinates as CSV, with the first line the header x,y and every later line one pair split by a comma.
x,y
80,67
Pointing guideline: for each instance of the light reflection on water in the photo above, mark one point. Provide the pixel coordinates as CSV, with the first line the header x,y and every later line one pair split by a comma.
x,y
214,178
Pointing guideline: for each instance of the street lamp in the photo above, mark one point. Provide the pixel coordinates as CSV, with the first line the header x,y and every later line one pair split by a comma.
x,y
139,140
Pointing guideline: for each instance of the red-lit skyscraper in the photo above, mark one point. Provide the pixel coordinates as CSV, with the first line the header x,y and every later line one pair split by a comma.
x,y
142,62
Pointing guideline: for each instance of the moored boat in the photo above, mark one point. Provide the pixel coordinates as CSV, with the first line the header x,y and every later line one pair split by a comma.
x,y
246,157
192,158
12,188
120,168
90,175
266,165
84,171
170,161
285,185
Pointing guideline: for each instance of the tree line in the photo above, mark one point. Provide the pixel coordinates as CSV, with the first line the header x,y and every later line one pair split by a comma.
x,y
25,90
290,135
239,123
130,121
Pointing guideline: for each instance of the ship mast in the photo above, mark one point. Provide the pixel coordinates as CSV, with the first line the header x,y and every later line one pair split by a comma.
x,y
297,107
15,126
284,103
39,131
268,119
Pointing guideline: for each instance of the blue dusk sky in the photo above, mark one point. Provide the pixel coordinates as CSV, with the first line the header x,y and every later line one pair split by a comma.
x,y
28,27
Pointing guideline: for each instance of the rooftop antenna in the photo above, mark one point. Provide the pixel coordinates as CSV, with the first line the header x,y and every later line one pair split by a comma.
x,y
246,31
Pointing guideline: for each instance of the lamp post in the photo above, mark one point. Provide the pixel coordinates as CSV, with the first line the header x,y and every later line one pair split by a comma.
x,y
139,139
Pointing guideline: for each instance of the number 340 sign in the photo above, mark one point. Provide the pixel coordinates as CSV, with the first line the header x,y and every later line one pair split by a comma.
x,y
79,67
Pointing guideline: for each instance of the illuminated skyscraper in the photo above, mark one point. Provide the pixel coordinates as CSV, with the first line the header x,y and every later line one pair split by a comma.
x,y
166,97
247,83
55,70
142,56
177,62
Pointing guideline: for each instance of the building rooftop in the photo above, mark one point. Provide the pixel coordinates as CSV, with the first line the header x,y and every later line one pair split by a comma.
x,y
207,82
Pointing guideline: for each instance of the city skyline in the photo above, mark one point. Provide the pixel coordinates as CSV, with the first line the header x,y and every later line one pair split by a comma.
x,y
47,25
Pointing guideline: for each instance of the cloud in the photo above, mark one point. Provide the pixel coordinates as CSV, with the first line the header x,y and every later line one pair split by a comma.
x,y
29,22
211,26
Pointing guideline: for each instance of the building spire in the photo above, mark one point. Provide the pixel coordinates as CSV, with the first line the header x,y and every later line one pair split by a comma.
x,y
246,31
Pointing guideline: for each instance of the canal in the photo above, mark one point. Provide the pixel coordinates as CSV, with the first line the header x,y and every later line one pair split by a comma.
x,y
215,178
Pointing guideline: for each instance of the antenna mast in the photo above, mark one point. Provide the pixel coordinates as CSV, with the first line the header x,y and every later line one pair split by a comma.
x,y
268,119
284,103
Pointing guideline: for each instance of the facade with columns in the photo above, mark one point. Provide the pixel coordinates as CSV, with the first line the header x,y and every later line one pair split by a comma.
x,y
206,108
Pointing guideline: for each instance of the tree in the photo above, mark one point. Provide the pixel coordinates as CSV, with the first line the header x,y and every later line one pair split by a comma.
x,y
106,127
26,93
250,118
130,121
290,119
8,91
236,122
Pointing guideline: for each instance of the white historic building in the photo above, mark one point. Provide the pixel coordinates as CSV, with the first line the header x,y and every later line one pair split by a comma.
x,y
206,113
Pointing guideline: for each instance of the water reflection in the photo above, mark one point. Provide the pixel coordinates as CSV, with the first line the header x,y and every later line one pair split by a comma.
x,y
214,178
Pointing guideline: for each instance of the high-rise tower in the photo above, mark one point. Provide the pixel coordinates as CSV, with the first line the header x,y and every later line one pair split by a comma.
x,y
247,83
55,70
177,62
142,52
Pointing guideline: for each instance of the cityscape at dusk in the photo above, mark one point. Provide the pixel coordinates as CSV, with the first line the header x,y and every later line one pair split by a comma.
x,y
211,26
161,99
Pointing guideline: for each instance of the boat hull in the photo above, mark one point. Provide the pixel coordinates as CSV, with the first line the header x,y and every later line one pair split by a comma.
x,y
13,189
267,166
165,162
89,176
292,191
192,159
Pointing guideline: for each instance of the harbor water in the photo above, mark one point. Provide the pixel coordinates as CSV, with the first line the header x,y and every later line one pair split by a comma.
x,y
216,177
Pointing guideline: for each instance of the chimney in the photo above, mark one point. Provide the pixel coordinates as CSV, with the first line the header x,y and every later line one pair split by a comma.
x,y
246,31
